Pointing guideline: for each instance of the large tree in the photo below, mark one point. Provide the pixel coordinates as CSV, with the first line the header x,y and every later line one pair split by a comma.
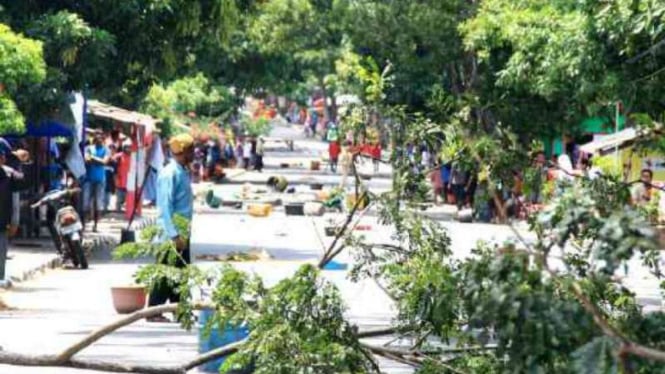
x,y
21,65
117,49
419,38
308,30
549,63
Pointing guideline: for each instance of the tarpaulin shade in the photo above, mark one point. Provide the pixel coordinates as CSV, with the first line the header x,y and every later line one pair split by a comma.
x,y
610,142
46,129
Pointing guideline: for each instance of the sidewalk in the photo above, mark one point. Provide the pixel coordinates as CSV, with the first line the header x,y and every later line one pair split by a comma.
x,y
31,257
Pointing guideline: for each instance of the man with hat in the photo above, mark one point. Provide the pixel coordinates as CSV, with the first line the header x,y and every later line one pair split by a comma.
x,y
174,197
10,182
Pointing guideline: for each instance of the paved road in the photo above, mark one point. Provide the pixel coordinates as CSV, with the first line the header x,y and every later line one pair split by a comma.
x,y
63,305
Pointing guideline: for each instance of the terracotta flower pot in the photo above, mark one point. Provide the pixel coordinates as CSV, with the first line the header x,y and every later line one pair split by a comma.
x,y
128,299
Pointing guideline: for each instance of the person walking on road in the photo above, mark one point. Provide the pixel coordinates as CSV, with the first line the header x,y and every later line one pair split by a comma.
x,y
174,197
239,153
333,154
437,182
346,162
458,184
260,151
332,137
247,153
375,152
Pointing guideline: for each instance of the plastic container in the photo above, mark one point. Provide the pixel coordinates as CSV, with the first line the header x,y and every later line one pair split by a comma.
x,y
314,209
294,209
315,165
331,230
335,266
322,196
259,210
351,201
216,339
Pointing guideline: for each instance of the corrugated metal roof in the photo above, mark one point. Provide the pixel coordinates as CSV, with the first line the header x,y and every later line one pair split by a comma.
x,y
102,110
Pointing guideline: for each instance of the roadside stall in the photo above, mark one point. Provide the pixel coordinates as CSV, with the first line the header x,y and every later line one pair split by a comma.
x,y
140,130
633,160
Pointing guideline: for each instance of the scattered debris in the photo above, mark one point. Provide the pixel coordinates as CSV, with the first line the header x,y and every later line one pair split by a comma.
x,y
251,255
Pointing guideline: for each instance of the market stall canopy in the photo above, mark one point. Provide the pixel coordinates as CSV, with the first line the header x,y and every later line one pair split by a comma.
x,y
101,110
46,129
609,143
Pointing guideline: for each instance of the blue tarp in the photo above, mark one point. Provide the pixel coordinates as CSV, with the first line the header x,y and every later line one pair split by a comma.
x,y
46,129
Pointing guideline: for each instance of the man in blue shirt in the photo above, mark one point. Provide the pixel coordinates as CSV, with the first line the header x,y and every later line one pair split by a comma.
x,y
97,156
174,197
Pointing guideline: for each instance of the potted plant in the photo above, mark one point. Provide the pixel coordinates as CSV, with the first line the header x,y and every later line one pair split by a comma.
x,y
128,299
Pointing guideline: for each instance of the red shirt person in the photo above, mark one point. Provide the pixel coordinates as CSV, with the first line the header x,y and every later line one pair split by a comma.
x,y
334,150
123,160
375,153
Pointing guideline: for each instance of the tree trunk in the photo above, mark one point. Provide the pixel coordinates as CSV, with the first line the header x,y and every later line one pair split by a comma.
x,y
324,92
333,108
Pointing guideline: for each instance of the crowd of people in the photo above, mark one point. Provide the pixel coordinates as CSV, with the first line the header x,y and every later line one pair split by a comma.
x,y
341,151
108,160
467,186
212,156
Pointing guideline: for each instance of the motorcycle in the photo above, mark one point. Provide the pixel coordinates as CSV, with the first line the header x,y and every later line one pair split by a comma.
x,y
65,225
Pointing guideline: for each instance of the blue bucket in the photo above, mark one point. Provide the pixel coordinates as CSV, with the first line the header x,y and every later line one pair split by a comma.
x,y
335,266
217,339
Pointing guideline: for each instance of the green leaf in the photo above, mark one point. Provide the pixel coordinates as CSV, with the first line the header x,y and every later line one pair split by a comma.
x,y
599,356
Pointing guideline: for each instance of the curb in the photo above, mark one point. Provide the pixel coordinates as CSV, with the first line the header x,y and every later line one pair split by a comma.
x,y
100,242
54,262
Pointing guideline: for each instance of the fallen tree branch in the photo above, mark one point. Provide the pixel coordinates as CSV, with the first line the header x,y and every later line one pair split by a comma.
x,y
65,358
628,346
69,352
412,358
214,354
376,332
18,359
329,255
392,354
353,227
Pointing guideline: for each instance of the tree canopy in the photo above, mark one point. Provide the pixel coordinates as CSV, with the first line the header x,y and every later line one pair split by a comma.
x,y
21,65
477,80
